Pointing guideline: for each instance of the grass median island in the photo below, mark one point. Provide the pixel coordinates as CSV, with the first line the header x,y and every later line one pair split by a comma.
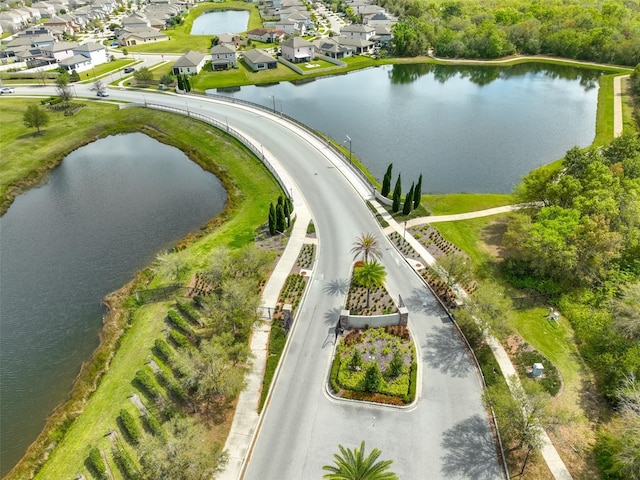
x,y
105,383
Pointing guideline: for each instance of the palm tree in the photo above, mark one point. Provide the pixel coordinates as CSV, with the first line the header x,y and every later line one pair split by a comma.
x,y
367,245
370,275
353,465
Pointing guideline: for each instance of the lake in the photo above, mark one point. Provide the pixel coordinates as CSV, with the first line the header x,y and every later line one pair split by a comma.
x,y
218,22
466,129
104,214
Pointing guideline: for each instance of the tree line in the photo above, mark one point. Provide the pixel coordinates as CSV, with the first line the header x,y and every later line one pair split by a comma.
x,y
411,200
581,249
606,32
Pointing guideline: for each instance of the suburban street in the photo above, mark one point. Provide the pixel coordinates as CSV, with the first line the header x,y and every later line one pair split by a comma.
x,y
446,433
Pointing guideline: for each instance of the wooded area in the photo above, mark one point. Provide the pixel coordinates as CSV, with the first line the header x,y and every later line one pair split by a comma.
x,y
606,32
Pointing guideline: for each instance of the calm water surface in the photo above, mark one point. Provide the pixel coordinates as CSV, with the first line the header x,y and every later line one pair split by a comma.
x,y
468,129
103,215
215,23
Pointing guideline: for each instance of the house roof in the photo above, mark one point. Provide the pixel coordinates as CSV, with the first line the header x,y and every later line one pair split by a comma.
x,y
260,31
296,42
353,42
90,47
330,45
257,55
223,48
146,32
60,46
357,28
189,59
75,60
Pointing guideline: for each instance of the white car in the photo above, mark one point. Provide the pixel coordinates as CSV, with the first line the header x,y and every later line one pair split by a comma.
x,y
7,90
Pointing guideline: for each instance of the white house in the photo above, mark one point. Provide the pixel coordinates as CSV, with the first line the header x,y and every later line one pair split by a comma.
x,y
223,56
79,63
96,53
357,31
297,50
190,64
58,51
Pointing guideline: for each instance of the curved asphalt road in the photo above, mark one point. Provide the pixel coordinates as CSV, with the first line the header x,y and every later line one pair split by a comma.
x,y
446,434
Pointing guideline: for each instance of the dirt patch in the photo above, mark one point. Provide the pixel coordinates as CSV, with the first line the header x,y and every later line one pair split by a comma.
x,y
492,237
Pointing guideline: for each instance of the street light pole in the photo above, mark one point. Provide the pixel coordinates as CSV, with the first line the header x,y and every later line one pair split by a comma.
x,y
404,232
349,140
273,97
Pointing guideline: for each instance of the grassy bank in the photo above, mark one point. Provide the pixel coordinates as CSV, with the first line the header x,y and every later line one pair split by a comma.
x,y
129,331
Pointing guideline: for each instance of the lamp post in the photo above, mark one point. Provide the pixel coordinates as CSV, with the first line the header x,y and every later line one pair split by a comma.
x,y
273,98
404,232
349,140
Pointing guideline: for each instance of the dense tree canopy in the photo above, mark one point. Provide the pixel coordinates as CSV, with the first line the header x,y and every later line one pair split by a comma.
x,y
606,32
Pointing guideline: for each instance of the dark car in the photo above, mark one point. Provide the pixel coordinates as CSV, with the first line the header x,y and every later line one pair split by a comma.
x,y
129,70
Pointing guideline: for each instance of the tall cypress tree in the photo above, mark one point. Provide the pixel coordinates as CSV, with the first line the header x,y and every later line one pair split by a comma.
x,y
180,83
386,181
397,194
187,83
417,193
288,201
272,219
408,202
280,219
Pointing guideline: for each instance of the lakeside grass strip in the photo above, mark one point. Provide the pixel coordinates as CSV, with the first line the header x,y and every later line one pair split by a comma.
x,y
129,333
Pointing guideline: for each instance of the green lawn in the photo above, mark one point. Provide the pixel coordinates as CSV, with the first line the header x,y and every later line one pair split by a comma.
x,y
239,171
451,203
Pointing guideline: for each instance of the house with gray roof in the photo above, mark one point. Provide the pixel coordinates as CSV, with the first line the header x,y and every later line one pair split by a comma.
x,y
58,51
331,48
257,59
297,50
189,64
96,53
358,31
79,63
139,36
223,56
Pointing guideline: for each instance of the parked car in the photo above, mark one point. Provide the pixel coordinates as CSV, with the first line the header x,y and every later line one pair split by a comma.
x,y
102,93
7,90
114,44
129,70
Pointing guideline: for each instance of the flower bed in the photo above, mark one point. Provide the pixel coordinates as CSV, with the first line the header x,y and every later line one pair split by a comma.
x,y
377,365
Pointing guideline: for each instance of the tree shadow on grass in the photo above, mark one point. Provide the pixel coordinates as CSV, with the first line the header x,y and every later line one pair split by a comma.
x,y
443,349
470,451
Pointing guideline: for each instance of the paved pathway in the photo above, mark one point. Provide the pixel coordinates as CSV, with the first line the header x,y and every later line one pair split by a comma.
x,y
618,122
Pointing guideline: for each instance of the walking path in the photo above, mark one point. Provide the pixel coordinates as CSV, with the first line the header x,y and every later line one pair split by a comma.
x,y
618,121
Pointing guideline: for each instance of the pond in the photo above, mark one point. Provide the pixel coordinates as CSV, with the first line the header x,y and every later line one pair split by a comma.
x,y
104,214
218,22
467,129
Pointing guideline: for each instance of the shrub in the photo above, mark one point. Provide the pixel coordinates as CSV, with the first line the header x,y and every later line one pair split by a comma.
x,y
413,384
396,364
179,339
129,426
190,313
373,378
335,369
175,389
96,463
163,350
125,463
145,382
153,425
355,362
178,321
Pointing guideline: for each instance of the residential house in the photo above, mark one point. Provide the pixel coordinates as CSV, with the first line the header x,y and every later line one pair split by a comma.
x,y
257,59
379,19
136,21
265,35
302,18
59,24
291,27
79,63
189,64
231,39
359,45
96,53
46,9
383,35
331,48
223,56
11,21
297,50
137,36
58,51
358,31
